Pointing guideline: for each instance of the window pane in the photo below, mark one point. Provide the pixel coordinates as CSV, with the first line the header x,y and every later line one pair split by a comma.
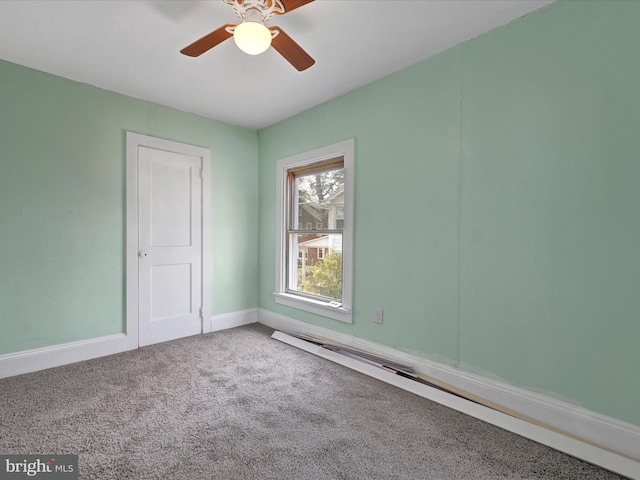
x,y
318,271
320,200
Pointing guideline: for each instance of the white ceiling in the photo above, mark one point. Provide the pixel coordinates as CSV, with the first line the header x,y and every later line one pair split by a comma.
x,y
133,47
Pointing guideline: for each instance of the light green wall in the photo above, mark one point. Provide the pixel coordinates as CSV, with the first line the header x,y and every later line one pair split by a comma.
x,y
497,204
62,206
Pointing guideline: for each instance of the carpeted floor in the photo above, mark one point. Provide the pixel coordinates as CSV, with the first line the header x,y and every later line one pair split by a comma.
x,y
239,405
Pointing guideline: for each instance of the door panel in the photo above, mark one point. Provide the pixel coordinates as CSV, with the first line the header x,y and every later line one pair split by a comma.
x,y
170,291
170,186
170,243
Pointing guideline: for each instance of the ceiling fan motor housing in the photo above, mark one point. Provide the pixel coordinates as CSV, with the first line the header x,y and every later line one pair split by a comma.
x,y
253,14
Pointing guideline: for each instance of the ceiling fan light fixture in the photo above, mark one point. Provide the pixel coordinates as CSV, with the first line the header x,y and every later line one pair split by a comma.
x,y
252,37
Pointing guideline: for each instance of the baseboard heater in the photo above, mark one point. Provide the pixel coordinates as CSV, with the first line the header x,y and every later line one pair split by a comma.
x,y
404,376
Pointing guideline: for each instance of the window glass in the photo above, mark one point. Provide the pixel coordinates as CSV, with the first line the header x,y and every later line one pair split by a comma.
x,y
317,198
319,270
320,199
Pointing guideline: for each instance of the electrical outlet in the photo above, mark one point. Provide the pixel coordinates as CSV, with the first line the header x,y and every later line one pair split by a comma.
x,y
377,315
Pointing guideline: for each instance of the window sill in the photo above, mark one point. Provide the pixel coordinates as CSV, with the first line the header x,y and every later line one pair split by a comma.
x,y
314,306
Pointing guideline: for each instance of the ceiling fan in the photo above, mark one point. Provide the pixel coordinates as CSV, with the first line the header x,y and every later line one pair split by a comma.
x,y
252,35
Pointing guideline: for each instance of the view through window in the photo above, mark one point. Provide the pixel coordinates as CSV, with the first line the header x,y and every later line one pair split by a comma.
x,y
315,229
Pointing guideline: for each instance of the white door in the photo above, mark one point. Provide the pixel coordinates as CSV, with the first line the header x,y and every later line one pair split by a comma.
x,y
168,244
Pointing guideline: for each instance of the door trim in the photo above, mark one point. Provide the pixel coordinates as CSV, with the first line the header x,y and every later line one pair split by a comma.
x,y
134,142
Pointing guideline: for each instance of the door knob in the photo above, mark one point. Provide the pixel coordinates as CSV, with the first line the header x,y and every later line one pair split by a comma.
x,y
142,254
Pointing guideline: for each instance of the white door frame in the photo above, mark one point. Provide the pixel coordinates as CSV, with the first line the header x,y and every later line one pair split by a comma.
x,y
134,142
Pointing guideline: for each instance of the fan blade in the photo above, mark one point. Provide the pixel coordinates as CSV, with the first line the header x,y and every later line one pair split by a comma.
x,y
293,4
291,51
207,42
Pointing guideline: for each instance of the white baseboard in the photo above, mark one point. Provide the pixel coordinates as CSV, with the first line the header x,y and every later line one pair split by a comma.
x,y
28,361
233,319
593,427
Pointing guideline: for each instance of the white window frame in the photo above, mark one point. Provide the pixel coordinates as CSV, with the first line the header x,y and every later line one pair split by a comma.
x,y
341,312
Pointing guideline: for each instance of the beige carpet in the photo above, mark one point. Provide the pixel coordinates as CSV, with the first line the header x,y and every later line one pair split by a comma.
x,y
239,405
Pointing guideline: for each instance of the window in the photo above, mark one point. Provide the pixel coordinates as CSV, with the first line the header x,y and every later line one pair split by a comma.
x,y
315,212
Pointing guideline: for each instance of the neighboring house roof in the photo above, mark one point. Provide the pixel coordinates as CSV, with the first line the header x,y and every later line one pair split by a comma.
x,y
336,199
318,242
312,209
326,241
